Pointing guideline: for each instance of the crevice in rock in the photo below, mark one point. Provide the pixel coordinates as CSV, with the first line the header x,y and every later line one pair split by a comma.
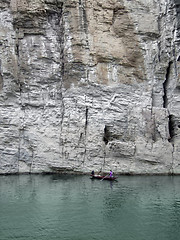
x,y
171,128
165,86
174,127
172,133
86,121
106,136
80,138
17,49
153,100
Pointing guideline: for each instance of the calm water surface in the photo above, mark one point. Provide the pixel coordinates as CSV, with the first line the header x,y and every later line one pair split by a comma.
x,y
45,207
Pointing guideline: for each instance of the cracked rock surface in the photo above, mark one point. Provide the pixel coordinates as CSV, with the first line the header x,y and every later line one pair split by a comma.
x,y
90,85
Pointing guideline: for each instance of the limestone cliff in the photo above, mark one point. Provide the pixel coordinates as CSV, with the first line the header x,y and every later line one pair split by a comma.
x,y
90,84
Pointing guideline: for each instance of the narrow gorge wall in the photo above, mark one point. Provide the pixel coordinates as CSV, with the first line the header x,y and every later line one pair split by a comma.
x,y
90,85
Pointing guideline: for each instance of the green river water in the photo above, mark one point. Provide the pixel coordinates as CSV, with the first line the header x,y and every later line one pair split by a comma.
x,y
45,207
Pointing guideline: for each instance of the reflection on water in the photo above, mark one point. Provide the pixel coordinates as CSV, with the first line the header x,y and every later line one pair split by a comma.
x,y
66,207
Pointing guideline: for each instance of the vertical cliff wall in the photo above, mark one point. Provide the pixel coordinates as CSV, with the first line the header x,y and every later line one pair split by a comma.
x,y
87,84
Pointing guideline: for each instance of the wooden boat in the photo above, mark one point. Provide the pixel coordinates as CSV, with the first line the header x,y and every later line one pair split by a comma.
x,y
99,177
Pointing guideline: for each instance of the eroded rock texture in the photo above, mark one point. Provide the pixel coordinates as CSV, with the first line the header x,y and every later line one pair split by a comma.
x,y
90,84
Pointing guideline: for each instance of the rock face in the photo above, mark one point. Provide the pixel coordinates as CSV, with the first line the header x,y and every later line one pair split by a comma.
x,y
90,85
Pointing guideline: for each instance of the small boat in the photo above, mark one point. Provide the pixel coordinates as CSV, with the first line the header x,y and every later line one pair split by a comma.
x,y
99,177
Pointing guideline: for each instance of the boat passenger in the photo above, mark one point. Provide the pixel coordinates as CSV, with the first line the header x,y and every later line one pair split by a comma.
x,y
111,174
92,173
99,173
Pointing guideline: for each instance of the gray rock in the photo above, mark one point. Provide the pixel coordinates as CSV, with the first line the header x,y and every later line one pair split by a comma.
x,y
89,85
